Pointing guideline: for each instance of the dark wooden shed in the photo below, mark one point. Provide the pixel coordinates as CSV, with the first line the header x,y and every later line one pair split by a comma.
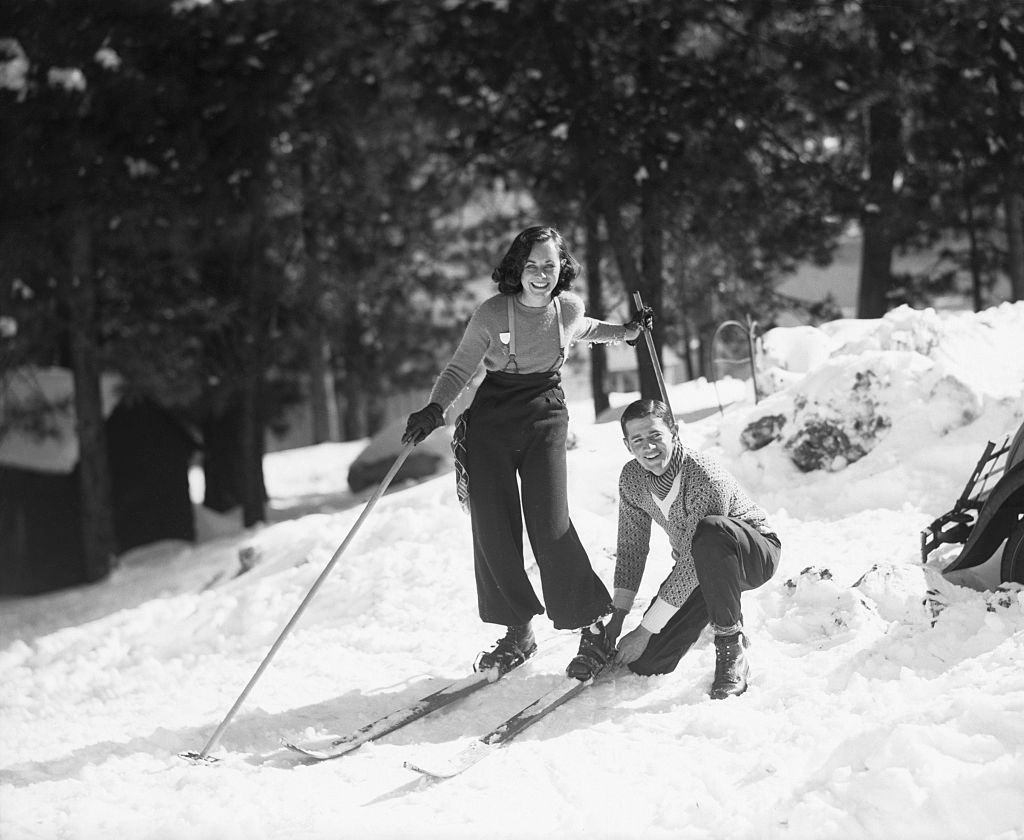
x,y
40,528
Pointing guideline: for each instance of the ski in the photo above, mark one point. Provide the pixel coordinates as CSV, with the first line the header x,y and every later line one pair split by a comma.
x,y
336,746
487,744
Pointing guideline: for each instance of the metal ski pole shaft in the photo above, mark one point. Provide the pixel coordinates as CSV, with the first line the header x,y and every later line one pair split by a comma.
x,y
653,353
202,756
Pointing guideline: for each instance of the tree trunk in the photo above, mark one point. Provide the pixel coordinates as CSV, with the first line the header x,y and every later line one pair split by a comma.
x,y
975,254
254,493
1013,205
1007,78
884,155
97,521
618,238
652,261
355,413
233,457
691,368
595,304
322,402
259,317
376,410
877,210
222,459
632,277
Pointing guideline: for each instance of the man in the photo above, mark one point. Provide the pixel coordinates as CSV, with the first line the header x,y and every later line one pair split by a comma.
x,y
721,543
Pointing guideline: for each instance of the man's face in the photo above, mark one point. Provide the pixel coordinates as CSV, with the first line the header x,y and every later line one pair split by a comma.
x,y
650,441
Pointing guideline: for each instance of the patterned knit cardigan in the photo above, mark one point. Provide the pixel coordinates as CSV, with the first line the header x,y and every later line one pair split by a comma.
x,y
706,489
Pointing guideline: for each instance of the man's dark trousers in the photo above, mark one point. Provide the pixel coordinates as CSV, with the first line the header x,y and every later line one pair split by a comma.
x,y
730,557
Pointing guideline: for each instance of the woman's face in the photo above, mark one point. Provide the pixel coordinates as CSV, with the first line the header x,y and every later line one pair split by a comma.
x,y
540,274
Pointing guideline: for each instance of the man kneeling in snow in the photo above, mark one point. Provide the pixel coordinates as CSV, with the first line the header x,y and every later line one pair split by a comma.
x,y
721,544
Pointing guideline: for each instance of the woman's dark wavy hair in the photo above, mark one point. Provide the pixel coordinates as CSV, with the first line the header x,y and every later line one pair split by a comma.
x,y
638,409
509,273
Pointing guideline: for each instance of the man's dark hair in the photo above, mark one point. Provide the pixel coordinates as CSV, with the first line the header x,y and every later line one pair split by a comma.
x,y
509,273
639,409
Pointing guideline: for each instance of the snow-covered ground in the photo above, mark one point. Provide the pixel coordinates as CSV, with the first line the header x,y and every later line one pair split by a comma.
x,y
886,702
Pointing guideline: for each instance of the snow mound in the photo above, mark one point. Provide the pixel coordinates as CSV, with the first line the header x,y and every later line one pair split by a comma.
x,y
837,391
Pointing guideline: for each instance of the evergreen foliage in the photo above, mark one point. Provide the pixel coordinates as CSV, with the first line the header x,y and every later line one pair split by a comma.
x,y
237,205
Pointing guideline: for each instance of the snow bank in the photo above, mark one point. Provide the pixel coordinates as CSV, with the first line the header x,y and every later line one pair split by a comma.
x,y
885,702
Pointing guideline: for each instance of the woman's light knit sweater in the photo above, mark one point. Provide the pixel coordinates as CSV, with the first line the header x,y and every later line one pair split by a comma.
x,y
486,340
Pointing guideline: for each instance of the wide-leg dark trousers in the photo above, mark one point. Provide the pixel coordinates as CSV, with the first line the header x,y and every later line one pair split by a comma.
x,y
517,427
731,557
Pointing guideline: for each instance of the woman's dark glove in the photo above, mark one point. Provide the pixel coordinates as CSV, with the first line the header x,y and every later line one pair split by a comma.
x,y
421,423
613,627
644,321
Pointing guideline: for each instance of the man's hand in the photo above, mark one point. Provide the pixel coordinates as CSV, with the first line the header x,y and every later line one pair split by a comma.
x,y
632,646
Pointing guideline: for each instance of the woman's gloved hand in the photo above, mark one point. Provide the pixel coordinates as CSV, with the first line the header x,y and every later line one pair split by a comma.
x,y
613,627
644,322
421,423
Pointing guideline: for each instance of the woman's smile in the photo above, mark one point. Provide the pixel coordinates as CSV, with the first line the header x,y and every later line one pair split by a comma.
x,y
540,274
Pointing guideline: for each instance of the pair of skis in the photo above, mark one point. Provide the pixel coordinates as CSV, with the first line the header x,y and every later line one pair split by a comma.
x,y
504,732
469,755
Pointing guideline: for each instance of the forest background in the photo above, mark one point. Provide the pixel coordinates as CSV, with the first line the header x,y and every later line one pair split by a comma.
x,y
235,206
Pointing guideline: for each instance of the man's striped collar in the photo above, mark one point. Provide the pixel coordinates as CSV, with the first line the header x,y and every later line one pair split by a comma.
x,y
659,485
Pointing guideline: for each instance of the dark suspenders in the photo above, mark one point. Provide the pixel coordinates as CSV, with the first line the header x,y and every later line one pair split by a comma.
x,y
512,330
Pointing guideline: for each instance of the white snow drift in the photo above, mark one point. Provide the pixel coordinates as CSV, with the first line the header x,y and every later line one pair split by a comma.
x,y
886,701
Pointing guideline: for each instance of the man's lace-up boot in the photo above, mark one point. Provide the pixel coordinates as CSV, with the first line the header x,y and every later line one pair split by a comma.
x,y
731,666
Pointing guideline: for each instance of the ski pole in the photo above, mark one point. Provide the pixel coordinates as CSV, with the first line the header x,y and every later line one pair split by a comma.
x,y
652,351
204,755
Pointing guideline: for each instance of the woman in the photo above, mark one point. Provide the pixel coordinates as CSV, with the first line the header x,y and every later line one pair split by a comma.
x,y
517,424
